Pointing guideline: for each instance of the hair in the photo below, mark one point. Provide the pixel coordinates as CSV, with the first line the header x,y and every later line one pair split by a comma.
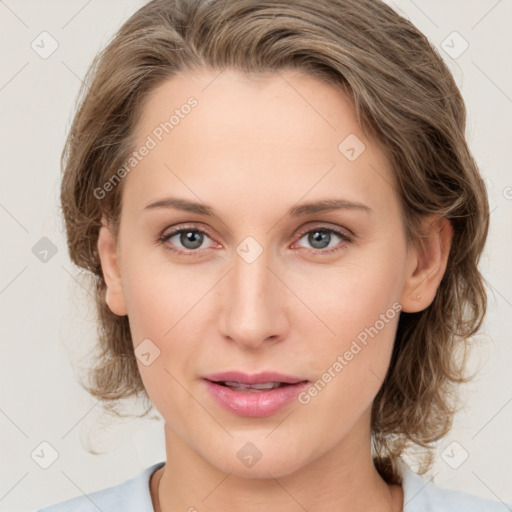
x,y
405,98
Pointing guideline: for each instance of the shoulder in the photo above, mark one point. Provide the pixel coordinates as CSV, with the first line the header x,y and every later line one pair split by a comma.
x,y
422,495
131,495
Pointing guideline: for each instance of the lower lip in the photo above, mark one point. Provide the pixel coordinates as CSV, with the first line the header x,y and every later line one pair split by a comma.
x,y
254,404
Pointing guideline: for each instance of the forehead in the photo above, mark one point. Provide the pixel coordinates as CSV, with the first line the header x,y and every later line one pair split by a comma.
x,y
255,133
301,109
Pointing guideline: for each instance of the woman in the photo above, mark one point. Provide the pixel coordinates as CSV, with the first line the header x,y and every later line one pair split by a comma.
x,y
284,222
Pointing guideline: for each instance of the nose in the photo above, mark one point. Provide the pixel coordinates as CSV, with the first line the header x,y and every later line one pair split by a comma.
x,y
254,304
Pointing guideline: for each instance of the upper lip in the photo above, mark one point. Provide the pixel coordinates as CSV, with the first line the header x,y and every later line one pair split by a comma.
x,y
255,378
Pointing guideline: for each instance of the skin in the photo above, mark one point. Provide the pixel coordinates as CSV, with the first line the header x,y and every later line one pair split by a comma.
x,y
252,149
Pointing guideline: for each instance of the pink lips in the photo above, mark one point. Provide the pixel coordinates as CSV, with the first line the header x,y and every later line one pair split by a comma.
x,y
253,403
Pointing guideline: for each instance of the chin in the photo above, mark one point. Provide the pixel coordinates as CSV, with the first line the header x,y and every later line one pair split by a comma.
x,y
273,467
258,458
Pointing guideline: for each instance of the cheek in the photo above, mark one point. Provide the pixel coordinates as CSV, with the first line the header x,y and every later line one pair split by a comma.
x,y
353,296
350,369
159,296
163,303
361,309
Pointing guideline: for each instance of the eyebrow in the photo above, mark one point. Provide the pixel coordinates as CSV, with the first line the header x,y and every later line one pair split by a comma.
x,y
296,211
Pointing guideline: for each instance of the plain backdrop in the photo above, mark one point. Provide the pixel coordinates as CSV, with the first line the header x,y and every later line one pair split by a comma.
x,y
47,315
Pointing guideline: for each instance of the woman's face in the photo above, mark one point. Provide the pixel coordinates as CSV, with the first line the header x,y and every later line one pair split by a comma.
x,y
262,277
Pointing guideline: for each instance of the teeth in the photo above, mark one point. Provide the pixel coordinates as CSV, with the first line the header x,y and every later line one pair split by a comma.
x,y
243,387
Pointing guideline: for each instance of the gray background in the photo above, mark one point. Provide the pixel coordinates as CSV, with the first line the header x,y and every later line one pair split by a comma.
x,y
47,318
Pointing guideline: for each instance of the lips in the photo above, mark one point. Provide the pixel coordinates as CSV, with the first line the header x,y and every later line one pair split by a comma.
x,y
256,395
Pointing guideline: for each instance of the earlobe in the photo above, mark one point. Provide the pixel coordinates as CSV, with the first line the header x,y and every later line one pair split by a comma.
x,y
107,250
426,264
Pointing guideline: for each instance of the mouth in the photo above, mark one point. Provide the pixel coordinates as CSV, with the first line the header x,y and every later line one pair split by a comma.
x,y
254,395
252,388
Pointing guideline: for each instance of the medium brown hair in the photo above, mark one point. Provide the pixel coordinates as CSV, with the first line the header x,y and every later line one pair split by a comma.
x,y
405,98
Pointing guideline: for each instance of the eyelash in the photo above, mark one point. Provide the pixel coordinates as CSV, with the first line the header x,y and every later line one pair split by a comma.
x,y
197,252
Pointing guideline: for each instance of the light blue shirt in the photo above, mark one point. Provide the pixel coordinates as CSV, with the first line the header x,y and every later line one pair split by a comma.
x,y
420,495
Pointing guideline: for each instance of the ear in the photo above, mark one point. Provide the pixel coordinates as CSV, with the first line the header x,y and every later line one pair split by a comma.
x,y
107,249
426,264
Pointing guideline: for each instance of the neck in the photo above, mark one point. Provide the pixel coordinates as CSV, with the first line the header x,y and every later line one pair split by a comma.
x,y
343,479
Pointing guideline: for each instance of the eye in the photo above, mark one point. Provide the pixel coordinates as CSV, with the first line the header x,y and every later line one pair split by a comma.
x,y
321,239
190,238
